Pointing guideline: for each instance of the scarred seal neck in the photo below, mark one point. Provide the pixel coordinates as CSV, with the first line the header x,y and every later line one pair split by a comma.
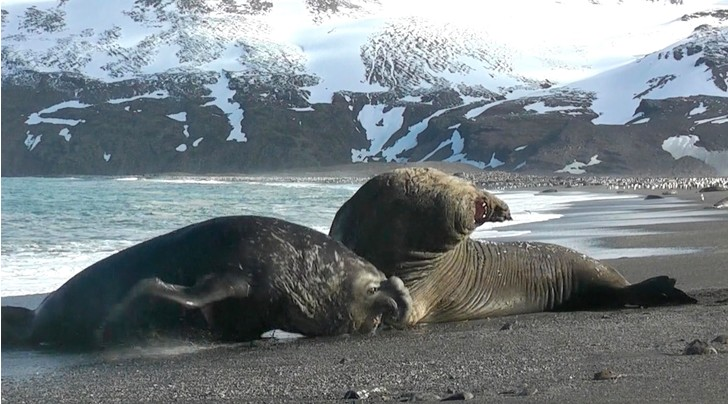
x,y
431,276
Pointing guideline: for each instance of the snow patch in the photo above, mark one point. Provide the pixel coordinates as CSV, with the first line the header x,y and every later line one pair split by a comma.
x,y
577,167
409,141
181,148
197,141
473,113
304,109
494,162
411,98
107,157
698,110
179,116
65,133
185,130
37,117
222,97
519,148
716,120
337,44
156,95
379,126
457,144
618,92
541,108
684,145
32,140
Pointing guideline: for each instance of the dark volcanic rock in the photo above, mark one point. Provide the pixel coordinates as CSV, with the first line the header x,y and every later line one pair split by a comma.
x,y
129,127
714,188
460,396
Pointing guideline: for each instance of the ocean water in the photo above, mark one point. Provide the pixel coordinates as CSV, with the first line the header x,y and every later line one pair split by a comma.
x,y
52,228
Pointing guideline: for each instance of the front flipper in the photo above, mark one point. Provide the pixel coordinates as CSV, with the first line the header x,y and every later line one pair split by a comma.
x,y
210,289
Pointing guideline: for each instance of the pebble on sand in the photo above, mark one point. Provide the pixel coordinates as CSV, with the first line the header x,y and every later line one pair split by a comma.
x,y
606,374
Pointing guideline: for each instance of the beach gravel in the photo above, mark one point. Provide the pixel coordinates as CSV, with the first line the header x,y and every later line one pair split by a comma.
x,y
549,357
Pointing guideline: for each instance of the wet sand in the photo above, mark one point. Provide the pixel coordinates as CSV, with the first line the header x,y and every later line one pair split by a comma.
x,y
543,357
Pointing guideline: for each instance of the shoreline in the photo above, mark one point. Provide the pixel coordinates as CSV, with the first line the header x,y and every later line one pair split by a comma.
x,y
542,357
34,299
488,179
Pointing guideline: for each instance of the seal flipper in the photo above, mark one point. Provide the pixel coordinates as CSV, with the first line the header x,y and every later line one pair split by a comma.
x,y
210,289
17,325
657,291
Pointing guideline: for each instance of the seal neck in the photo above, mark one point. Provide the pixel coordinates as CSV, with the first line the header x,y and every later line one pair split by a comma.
x,y
420,268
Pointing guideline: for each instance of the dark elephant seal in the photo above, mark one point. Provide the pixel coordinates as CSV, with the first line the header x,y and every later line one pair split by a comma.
x,y
721,204
713,188
246,274
415,223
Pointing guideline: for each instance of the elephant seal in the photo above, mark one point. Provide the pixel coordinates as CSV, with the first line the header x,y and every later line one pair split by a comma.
x,y
245,274
415,223
721,204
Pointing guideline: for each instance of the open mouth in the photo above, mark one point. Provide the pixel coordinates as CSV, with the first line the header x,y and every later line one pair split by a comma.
x,y
481,211
484,214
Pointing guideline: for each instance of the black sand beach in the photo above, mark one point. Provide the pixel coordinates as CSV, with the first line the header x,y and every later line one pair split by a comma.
x,y
544,357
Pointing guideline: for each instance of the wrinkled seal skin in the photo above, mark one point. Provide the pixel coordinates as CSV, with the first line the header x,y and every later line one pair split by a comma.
x,y
415,223
243,275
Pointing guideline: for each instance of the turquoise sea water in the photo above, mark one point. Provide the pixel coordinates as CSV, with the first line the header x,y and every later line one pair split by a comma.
x,y
52,228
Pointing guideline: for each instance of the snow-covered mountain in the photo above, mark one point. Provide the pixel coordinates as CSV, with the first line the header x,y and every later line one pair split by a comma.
x,y
141,86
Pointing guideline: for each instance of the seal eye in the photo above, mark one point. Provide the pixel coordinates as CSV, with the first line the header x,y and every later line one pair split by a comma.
x,y
372,290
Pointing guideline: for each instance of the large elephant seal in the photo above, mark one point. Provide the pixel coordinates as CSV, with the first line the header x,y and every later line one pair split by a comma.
x,y
415,223
246,274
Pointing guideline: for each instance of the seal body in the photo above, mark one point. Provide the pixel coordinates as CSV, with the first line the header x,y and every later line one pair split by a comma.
x,y
721,204
240,275
415,223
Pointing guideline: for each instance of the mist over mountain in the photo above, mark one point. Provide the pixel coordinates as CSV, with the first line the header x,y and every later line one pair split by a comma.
x,y
225,86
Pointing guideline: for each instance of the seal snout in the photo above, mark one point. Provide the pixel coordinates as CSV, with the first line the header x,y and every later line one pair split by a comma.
x,y
398,302
491,209
501,214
